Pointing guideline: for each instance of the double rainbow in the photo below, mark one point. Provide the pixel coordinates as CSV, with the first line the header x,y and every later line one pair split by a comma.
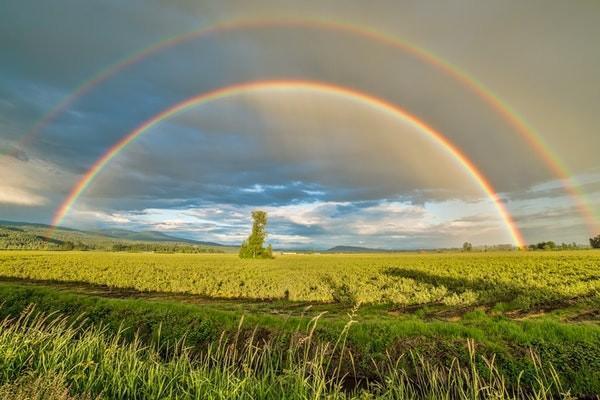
x,y
520,126
287,85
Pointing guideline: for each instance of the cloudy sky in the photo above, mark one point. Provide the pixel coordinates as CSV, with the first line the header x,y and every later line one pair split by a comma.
x,y
328,169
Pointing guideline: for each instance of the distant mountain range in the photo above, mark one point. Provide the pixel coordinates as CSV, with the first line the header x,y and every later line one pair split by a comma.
x,y
25,235
355,249
152,236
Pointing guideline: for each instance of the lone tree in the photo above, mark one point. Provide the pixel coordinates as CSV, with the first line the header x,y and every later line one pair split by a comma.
x,y
253,246
595,242
467,246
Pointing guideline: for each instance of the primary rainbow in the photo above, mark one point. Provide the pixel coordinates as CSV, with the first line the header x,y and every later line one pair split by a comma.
x,y
542,150
323,87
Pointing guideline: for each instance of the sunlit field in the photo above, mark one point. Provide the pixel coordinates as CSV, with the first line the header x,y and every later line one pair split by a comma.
x,y
299,200
514,324
520,279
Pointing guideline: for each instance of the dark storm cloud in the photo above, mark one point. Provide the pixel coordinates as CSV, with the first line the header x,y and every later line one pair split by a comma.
x,y
220,157
303,230
252,151
15,152
585,183
99,119
62,44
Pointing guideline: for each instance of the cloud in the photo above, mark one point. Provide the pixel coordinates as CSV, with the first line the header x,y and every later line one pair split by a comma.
x,y
587,182
100,216
14,152
12,195
26,181
313,147
324,166
81,135
321,224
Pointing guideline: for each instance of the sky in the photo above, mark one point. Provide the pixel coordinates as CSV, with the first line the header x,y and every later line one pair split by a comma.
x,y
330,169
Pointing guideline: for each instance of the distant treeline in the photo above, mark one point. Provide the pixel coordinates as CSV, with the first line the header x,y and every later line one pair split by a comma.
x,y
550,245
17,239
163,248
12,238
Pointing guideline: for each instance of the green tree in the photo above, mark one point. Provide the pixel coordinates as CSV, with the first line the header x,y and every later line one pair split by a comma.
x,y
467,246
549,245
253,246
67,246
595,242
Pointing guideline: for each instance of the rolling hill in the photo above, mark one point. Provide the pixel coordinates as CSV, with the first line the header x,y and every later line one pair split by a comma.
x,y
355,249
24,235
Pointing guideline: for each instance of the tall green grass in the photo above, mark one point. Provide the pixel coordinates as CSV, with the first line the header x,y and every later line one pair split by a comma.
x,y
66,357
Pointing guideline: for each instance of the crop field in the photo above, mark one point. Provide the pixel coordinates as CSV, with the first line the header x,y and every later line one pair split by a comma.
x,y
522,279
515,324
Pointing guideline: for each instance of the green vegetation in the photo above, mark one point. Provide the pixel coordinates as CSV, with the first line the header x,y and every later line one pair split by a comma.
x,y
595,242
164,248
69,356
24,236
17,239
512,280
550,245
415,312
574,348
253,247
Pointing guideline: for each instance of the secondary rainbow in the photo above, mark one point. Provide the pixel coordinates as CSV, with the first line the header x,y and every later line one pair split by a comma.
x,y
542,150
323,87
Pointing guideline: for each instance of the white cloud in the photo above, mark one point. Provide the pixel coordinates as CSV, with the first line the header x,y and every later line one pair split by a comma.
x,y
293,240
22,180
391,224
86,217
12,195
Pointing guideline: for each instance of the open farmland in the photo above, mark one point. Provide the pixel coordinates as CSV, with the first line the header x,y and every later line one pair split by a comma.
x,y
521,280
534,313
294,200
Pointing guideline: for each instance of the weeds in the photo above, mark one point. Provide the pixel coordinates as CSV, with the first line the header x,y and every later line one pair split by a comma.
x,y
49,357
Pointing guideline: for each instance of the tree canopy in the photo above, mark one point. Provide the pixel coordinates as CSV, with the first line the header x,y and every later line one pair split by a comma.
x,y
253,246
595,242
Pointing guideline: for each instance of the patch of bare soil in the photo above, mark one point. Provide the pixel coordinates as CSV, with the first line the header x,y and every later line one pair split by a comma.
x,y
587,315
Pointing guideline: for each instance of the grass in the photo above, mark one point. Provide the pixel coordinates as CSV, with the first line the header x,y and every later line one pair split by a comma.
x,y
46,387
417,313
573,348
70,357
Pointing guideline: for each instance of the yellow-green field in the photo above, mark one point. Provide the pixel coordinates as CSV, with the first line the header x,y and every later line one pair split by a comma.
x,y
451,279
534,313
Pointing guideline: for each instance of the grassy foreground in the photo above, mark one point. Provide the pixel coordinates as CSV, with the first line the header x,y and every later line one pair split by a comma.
x,y
56,357
572,350
502,325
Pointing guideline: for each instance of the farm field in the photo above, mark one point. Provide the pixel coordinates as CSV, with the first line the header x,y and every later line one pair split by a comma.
x,y
294,200
514,280
505,306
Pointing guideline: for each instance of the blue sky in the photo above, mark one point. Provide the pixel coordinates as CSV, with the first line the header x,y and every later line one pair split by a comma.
x,y
328,170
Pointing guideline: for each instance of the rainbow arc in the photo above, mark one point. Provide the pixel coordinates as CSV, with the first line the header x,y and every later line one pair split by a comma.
x,y
517,122
379,104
